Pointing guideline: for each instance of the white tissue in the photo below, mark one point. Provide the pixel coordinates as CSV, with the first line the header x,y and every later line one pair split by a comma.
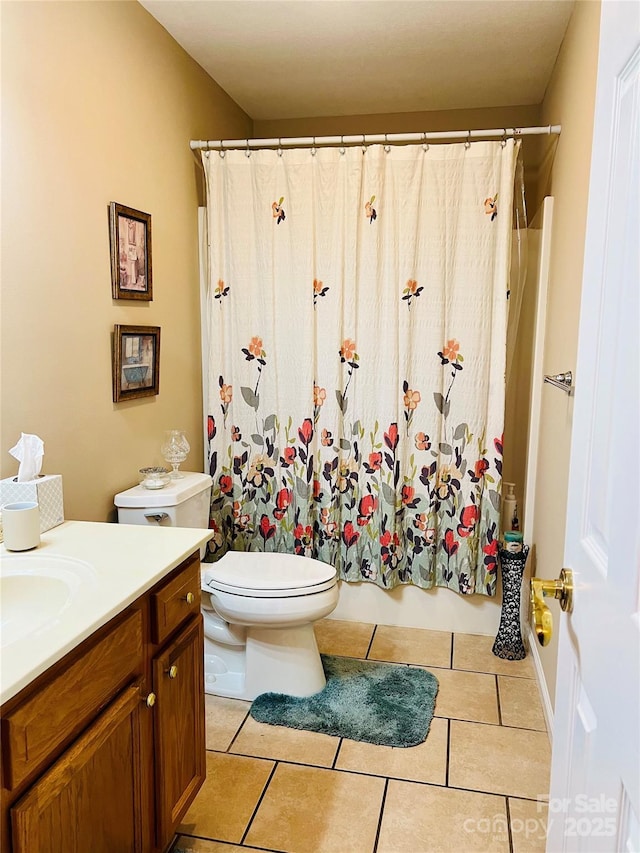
x,y
29,452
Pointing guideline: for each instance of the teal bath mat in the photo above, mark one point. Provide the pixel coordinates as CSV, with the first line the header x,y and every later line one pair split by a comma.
x,y
364,700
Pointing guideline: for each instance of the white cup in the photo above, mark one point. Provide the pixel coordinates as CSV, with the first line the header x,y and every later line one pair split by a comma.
x,y
21,525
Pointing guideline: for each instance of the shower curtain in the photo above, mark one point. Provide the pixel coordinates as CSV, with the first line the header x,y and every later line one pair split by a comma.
x,y
356,316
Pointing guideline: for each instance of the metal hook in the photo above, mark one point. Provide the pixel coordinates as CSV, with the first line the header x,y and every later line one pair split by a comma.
x,y
364,147
467,144
504,138
279,146
222,152
341,144
313,148
247,152
387,147
425,144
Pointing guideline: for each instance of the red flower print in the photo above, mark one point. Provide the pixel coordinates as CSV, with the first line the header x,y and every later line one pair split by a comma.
x,y
211,428
374,463
283,500
497,443
449,543
305,432
422,441
391,550
391,437
468,519
408,494
316,489
491,551
479,470
367,506
226,484
288,455
267,530
349,535
303,539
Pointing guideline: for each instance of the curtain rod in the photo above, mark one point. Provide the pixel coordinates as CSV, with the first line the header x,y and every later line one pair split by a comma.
x,y
371,139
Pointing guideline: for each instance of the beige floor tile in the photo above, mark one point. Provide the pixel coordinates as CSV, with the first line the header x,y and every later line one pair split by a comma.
x,y
528,825
285,744
184,844
348,639
311,810
499,760
411,645
466,695
520,703
473,652
214,814
426,762
427,819
223,719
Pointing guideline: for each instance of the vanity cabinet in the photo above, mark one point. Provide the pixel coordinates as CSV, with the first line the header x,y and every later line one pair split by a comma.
x,y
105,751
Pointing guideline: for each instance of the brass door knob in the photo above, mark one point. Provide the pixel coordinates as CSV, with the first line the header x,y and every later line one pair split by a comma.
x,y
172,672
189,598
150,700
541,588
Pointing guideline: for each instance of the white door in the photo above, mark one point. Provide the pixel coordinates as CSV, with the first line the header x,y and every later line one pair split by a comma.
x,y
595,788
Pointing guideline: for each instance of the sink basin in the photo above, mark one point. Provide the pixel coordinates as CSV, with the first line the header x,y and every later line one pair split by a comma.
x,y
35,591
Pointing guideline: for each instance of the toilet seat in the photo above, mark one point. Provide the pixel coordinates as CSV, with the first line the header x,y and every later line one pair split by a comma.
x,y
268,575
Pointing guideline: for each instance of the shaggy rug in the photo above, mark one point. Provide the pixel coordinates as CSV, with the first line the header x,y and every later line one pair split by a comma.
x,y
364,700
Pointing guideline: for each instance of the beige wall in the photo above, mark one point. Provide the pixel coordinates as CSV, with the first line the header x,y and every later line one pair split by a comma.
x,y
98,105
569,101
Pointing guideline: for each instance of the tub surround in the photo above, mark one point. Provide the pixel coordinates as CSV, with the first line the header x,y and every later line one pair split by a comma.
x,y
126,561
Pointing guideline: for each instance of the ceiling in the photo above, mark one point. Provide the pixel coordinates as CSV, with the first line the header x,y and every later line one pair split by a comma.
x,y
306,58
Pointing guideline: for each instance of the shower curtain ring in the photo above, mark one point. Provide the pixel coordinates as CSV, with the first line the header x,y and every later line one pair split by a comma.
x,y
387,147
313,148
504,138
222,152
425,144
467,144
279,146
364,147
247,152
341,144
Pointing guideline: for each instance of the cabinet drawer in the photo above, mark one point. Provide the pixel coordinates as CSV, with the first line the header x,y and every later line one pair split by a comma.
x,y
176,600
36,729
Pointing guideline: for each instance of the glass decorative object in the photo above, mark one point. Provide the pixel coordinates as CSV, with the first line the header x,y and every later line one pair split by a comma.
x,y
175,449
508,643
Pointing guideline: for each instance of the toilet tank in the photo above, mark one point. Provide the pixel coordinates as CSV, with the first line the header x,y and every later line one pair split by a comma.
x,y
181,503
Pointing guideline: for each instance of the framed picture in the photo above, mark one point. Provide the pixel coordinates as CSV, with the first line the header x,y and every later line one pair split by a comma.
x,y
136,362
130,237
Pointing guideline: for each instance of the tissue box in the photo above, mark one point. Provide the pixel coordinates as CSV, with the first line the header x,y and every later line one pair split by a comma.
x,y
45,490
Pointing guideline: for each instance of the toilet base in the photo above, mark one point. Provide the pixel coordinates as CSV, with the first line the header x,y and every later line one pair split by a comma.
x,y
275,660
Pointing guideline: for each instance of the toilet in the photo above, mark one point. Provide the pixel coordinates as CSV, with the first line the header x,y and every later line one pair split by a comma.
x,y
258,608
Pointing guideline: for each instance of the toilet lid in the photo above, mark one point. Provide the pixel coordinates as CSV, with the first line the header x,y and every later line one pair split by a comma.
x,y
268,575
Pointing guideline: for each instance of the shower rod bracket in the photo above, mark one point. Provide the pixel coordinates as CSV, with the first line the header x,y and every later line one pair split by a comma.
x,y
563,381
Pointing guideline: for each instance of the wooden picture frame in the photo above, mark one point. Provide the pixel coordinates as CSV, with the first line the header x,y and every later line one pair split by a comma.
x,y
136,362
130,241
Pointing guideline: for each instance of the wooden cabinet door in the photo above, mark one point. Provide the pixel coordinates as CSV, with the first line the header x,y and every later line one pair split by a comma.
x,y
89,800
178,682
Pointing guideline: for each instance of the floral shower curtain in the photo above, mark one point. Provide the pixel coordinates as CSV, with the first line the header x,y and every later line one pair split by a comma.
x,y
357,313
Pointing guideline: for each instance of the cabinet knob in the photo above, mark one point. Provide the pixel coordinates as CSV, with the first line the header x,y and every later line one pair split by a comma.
x,y
150,700
172,672
190,598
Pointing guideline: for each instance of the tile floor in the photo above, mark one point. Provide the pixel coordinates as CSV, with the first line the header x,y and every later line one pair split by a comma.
x,y
476,784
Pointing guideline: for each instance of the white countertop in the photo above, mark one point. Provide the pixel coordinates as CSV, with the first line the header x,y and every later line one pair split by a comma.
x,y
126,560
